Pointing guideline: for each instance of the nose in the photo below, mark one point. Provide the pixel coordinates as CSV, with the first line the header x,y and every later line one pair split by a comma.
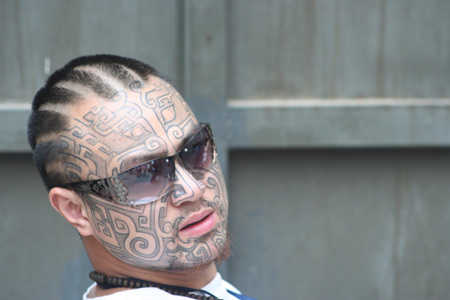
x,y
185,187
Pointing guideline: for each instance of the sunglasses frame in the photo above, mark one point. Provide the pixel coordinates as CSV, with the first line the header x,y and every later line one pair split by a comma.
x,y
112,189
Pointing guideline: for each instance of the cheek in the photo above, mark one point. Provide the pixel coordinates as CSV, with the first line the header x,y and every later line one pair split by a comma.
x,y
133,231
216,190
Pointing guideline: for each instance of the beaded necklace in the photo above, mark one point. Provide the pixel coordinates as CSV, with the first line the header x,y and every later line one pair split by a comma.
x,y
107,282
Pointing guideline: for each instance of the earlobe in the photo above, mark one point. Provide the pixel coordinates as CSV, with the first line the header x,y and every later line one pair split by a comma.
x,y
69,205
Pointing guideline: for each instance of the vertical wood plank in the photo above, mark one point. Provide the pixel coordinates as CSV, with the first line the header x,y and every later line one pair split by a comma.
x,y
205,86
205,71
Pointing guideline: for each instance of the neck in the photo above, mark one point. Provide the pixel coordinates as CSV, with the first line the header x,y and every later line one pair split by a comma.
x,y
192,278
104,262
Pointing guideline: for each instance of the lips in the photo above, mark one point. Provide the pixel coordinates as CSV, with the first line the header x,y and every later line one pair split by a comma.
x,y
198,224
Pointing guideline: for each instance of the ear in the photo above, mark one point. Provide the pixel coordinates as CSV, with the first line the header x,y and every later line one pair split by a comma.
x,y
69,205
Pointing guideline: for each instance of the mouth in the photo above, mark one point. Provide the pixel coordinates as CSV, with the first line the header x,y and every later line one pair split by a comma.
x,y
199,224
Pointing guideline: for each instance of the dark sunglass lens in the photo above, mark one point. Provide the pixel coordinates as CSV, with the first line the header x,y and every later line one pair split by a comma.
x,y
197,154
150,180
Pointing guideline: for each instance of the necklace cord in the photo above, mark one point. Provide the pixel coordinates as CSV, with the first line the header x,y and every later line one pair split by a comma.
x,y
107,282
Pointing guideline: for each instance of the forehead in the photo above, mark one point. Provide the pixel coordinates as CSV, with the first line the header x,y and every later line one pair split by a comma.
x,y
151,120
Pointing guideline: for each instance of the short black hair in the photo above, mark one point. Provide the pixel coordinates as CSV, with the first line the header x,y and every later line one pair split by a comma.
x,y
66,86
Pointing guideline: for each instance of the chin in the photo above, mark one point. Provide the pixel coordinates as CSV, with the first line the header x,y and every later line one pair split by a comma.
x,y
214,249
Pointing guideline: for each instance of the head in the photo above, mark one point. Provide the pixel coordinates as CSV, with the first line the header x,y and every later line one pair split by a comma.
x,y
115,145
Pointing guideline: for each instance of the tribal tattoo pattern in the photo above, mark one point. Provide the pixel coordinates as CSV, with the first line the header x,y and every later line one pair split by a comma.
x,y
145,122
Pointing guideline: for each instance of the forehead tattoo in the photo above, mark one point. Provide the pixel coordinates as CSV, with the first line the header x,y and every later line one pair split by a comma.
x,y
143,121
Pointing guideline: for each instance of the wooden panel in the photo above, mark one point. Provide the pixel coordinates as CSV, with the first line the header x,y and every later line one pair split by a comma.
x,y
341,224
13,127
38,245
417,49
42,36
423,216
339,49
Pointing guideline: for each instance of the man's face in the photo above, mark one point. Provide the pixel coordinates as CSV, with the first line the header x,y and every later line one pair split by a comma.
x,y
137,125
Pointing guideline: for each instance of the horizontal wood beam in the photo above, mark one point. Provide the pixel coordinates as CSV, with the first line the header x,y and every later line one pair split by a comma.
x,y
338,123
301,123
13,127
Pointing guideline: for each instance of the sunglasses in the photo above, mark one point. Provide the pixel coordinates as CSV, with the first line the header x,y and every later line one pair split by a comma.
x,y
153,179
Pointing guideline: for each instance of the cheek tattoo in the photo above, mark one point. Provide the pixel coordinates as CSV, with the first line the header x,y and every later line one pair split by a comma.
x,y
143,236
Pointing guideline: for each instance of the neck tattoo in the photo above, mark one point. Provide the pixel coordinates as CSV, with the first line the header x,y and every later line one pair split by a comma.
x,y
107,282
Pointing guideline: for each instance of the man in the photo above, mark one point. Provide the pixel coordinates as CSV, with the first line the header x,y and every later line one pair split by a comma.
x,y
129,166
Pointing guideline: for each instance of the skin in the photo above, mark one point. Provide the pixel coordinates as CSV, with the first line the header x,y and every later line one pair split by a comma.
x,y
107,137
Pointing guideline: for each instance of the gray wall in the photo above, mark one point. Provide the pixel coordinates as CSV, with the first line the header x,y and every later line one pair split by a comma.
x,y
341,224
333,124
